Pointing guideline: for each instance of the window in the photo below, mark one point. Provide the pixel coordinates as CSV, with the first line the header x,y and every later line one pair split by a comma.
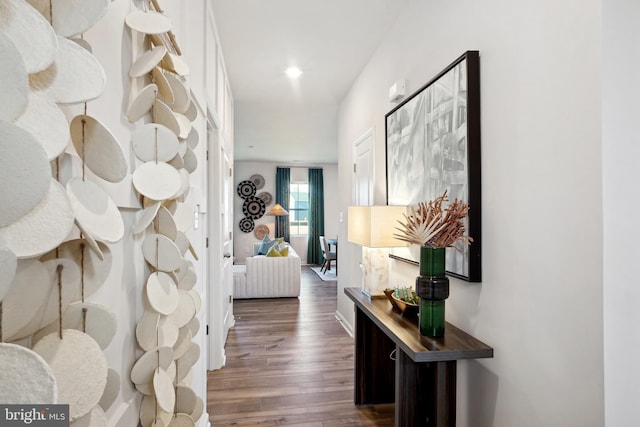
x,y
299,209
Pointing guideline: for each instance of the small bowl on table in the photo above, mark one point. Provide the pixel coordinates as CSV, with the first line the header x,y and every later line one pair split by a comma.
x,y
407,309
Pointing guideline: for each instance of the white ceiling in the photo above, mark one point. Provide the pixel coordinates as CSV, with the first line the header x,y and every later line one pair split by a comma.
x,y
331,40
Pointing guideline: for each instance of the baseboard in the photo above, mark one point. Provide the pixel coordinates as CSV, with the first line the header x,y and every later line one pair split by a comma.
x,y
347,327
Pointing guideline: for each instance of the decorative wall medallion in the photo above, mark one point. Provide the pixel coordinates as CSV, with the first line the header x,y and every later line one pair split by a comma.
x,y
246,225
258,180
261,231
266,197
246,189
253,207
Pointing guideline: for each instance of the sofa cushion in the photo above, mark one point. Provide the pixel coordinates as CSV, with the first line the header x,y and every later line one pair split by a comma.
x,y
275,251
266,244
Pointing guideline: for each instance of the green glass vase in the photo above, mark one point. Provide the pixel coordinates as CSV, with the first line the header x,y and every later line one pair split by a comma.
x,y
432,286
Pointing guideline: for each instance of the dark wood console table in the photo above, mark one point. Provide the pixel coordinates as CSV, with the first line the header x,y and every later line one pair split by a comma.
x,y
422,380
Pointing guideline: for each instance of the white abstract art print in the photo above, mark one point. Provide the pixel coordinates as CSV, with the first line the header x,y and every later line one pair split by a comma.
x,y
433,145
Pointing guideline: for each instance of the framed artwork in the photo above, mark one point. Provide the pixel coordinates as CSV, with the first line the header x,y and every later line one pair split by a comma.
x,y
433,144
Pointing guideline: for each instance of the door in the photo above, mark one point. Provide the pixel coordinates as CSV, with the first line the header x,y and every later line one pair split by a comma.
x,y
220,243
363,182
363,170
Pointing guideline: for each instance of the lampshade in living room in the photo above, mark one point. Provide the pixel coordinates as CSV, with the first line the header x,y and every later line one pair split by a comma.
x,y
374,226
277,210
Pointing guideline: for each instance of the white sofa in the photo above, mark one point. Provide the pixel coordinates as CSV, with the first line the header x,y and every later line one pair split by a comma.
x,y
267,277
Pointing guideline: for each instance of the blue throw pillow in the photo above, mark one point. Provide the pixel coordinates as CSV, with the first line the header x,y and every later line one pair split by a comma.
x,y
266,244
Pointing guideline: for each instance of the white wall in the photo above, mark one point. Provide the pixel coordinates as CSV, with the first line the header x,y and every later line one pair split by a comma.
x,y
243,242
620,152
540,303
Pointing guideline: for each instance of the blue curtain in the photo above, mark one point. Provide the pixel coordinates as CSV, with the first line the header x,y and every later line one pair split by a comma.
x,y
283,177
316,216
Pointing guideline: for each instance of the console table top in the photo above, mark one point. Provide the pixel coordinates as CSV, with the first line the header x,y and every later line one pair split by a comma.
x,y
455,345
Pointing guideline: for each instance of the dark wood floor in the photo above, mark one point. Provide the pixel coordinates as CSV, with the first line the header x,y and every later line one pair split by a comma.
x,y
290,362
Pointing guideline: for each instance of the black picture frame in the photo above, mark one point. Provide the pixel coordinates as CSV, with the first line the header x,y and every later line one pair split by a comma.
x,y
433,144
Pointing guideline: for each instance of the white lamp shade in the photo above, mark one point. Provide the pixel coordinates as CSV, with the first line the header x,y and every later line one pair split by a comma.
x,y
374,226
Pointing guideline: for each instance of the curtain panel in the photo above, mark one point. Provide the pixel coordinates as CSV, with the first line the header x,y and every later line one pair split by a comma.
x,y
316,216
283,177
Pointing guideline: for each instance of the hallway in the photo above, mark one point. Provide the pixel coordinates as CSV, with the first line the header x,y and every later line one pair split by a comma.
x,y
290,362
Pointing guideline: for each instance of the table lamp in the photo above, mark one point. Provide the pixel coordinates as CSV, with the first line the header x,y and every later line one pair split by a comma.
x,y
373,227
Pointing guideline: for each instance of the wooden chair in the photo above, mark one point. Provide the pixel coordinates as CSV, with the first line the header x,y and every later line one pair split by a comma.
x,y
327,254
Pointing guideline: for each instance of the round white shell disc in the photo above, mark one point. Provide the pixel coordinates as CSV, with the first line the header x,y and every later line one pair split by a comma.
x,y
70,280
142,103
182,343
83,43
190,161
186,309
95,418
163,114
186,362
71,17
149,411
176,64
79,366
157,181
24,172
99,322
153,140
163,388
162,293
25,377
30,32
181,420
148,22
182,242
197,299
177,162
161,252
26,295
193,138
192,112
194,326
146,365
111,389
185,125
183,215
146,218
47,123
75,76
168,332
165,224
146,330
147,61
99,148
154,330
188,281
8,266
185,399
14,80
164,88
185,180
43,228
180,90
198,410
94,270
95,211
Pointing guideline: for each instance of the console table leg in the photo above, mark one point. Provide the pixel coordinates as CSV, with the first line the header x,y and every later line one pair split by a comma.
x,y
425,393
374,370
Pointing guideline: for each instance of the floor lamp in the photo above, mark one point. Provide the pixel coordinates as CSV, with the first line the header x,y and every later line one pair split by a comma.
x,y
373,227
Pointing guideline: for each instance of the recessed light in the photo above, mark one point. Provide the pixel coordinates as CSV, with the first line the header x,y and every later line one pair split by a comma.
x,y
293,72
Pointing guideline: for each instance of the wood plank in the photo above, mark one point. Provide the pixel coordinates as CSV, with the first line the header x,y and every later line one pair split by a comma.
x,y
290,362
